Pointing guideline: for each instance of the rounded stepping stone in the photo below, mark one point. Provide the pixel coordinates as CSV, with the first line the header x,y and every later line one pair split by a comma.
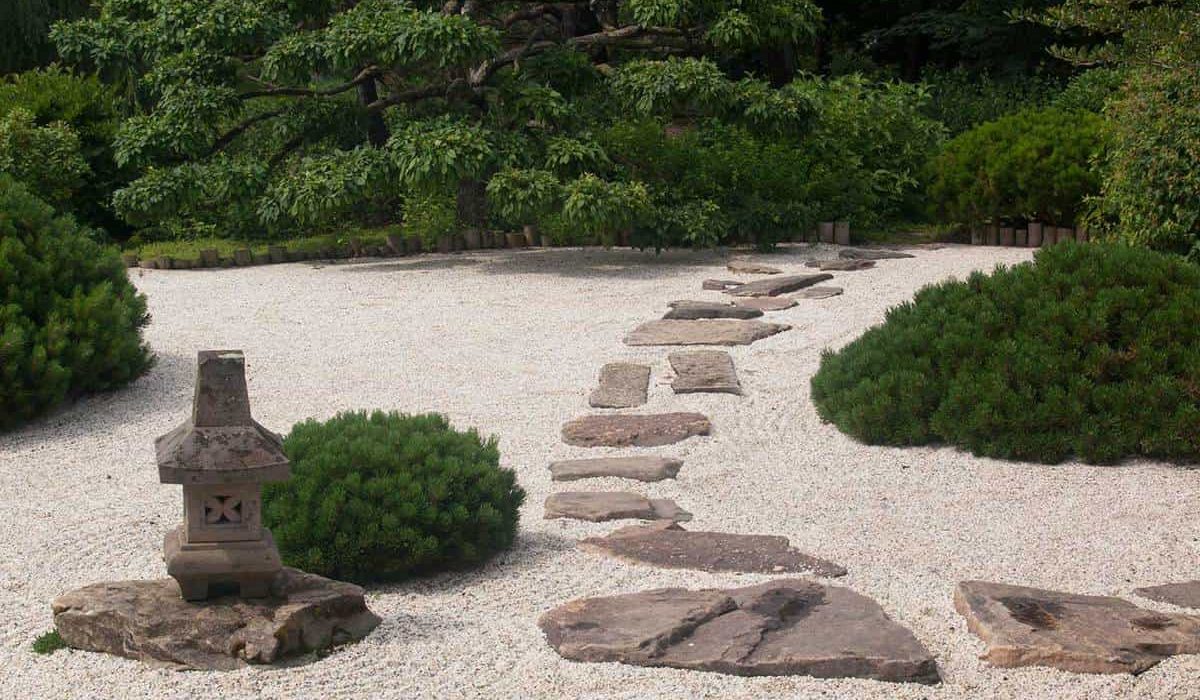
x,y
1082,633
720,285
690,310
708,331
667,545
872,254
626,430
600,506
700,371
639,468
841,265
775,286
819,292
779,628
769,303
746,267
1185,594
622,385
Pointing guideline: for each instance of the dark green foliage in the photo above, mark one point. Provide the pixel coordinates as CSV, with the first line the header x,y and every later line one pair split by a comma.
x,y
962,99
70,321
1092,350
25,29
49,643
386,496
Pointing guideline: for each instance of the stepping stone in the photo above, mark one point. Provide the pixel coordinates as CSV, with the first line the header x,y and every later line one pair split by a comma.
x,y
705,331
769,303
622,385
789,627
819,292
720,285
841,265
599,506
775,286
639,468
872,254
745,267
690,310
634,430
1082,633
668,545
704,371
1185,594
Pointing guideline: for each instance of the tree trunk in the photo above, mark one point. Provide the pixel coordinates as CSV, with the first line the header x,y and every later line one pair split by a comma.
x,y
377,131
472,204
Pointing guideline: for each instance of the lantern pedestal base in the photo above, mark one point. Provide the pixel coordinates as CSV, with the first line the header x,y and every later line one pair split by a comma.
x,y
201,566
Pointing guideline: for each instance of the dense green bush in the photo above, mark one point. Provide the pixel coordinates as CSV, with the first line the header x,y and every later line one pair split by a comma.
x,y
962,99
1036,164
70,321
1092,350
385,496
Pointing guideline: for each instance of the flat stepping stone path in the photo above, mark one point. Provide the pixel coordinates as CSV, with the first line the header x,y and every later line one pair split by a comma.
x,y
699,371
841,265
720,285
639,468
872,254
1185,594
746,267
622,385
705,331
819,292
1082,633
689,310
782,628
628,430
769,303
600,506
668,545
775,286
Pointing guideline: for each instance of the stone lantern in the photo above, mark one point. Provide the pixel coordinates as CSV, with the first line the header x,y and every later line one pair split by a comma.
x,y
222,457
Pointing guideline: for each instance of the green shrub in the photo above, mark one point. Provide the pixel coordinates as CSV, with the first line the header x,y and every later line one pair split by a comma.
x,y
1032,165
385,496
1091,90
1092,350
962,99
49,643
70,321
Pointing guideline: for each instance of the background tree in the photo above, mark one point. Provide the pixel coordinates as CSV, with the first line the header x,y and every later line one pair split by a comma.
x,y
25,28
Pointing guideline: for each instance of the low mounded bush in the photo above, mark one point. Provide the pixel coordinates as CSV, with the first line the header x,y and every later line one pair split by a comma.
x,y
386,496
70,321
1091,350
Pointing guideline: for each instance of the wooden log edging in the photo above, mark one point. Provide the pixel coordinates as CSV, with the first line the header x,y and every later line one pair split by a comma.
x,y
1034,235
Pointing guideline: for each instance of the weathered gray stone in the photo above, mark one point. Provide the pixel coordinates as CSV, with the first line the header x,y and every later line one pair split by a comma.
x,y
819,292
699,371
745,267
1185,594
720,285
1086,634
775,286
687,310
707,331
149,621
872,254
642,468
627,430
786,627
667,545
841,265
768,303
622,385
600,506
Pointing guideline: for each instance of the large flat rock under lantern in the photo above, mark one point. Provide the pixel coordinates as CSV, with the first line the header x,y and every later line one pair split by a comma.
x,y
786,627
639,468
775,286
709,331
842,265
704,371
630,430
745,267
622,385
601,506
668,545
872,254
1082,633
1185,594
149,621
688,310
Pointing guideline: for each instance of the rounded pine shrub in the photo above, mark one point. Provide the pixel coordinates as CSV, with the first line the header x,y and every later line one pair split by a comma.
x,y
385,496
1091,350
70,321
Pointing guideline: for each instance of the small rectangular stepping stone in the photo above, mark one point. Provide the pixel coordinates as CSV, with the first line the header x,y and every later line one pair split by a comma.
x,y
708,331
689,310
643,468
746,267
841,265
1185,594
622,385
601,506
627,430
775,286
699,371
720,285
769,303
872,254
819,292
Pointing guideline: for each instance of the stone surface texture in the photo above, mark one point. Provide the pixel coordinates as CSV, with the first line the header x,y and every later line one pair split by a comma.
x,y
819,292
784,627
699,371
640,468
841,265
710,331
720,285
769,303
601,506
745,267
622,385
872,254
775,286
688,310
149,621
629,430
1185,594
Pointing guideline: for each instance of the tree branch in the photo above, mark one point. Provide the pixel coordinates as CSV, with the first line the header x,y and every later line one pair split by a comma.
x,y
363,76
228,137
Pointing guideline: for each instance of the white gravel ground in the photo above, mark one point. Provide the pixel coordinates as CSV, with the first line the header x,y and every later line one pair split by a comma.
x,y
511,343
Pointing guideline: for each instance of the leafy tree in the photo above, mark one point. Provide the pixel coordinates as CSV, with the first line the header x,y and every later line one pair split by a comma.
x,y
25,28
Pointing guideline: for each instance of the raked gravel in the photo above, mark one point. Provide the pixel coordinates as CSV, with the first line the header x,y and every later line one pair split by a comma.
x,y
510,342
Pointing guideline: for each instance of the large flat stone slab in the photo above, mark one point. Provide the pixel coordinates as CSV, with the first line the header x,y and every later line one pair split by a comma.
x,y
149,621
780,628
819,292
1086,634
627,430
841,265
872,254
704,371
642,468
709,331
687,310
622,385
600,506
775,286
745,267
720,285
769,303
667,545
1185,594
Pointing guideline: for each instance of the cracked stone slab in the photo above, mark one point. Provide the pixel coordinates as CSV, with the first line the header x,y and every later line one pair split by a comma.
x,y
704,371
1185,594
706,331
872,254
668,545
819,292
690,310
641,468
1082,633
841,265
601,506
745,267
775,286
720,285
630,430
769,303
622,385
784,627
